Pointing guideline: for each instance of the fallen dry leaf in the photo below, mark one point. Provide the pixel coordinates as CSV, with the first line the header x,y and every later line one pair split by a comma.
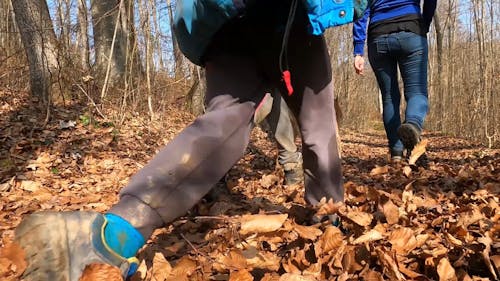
x,y
449,206
296,277
410,273
328,207
417,151
379,170
13,255
260,259
350,262
307,232
101,272
268,180
313,270
182,270
29,185
261,223
487,241
470,217
240,275
389,209
331,239
390,265
453,240
407,171
234,260
462,275
403,240
371,275
496,262
371,235
161,267
360,218
445,271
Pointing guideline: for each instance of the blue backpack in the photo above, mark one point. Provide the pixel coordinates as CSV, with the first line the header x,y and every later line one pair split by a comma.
x,y
197,21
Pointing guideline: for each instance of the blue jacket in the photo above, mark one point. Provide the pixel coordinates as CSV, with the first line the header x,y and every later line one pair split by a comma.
x,y
379,10
197,21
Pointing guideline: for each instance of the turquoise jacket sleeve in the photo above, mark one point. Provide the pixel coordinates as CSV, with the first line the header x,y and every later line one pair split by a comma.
x,y
359,33
326,14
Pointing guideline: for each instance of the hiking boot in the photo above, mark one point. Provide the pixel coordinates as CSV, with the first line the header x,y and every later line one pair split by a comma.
x,y
294,173
333,219
219,190
396,155
59,245
292,166
409,135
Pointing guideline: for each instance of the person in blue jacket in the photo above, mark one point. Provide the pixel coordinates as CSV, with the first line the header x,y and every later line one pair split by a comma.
x,y
248,48
397,37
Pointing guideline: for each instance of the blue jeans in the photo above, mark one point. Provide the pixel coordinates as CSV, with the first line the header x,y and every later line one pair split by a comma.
x,y
408,51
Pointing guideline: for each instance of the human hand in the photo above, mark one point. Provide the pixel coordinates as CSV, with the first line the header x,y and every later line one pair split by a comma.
x,y
359,64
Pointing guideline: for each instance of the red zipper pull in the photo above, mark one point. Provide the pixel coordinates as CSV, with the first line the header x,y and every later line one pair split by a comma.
x,y
288,81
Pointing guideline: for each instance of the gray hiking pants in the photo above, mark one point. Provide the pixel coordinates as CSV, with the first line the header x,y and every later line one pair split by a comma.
x,y
281,124
237,78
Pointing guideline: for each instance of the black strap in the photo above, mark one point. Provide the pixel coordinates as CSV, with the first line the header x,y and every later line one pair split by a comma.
x,y
286,35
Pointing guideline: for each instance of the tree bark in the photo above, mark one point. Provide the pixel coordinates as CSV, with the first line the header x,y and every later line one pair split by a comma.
x,y
439,86
39,40
107,26
146,31
83,37
178,56
196,95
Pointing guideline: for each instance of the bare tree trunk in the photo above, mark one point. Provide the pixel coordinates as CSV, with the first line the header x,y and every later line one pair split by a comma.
x,y
4,26
83,37
10,46
145,23
438,102
39,40
108,28
63,24
450,101
128,24
493,134
178,57
157,37
8,29
196,95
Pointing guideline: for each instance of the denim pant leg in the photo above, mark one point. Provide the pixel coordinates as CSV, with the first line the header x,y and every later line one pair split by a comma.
x,y
384,62
191,163
413,68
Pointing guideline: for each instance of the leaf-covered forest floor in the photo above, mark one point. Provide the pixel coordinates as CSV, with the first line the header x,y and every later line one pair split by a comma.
x,y
439,222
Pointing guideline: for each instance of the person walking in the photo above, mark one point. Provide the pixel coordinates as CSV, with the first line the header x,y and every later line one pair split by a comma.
x,y
396,32
248,48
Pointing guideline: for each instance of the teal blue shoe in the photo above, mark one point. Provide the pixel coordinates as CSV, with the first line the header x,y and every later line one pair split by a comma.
x,y
59,245
334,220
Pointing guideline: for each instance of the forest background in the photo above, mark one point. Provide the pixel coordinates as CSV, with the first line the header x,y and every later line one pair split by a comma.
x,y
120,57
91,90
